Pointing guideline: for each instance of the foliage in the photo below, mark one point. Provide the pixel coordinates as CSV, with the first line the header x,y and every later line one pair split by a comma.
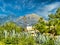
x,y
41,26
9,26
51,26
54,19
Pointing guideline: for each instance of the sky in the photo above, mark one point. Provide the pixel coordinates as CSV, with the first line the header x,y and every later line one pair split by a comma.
x,y
25,7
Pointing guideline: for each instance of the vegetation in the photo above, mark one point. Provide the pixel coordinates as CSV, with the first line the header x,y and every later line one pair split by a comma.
x,y
12,34
50,26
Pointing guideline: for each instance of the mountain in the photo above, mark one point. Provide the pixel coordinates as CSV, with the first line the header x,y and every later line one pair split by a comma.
x,y
29,19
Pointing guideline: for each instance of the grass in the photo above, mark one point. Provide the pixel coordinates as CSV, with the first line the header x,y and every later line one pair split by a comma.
x,y
29,40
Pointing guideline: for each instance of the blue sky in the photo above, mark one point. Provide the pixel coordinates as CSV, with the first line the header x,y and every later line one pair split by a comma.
x,y
25,7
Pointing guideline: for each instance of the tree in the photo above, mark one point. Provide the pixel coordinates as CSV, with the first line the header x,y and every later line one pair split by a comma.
x,y
9,26
41,25
57,14
1,33
53,21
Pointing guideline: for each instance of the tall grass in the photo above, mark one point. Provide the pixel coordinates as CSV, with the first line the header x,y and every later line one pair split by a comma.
x,y
27,39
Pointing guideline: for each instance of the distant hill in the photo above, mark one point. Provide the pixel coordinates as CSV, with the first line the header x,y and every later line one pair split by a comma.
x,y
7,18
21,20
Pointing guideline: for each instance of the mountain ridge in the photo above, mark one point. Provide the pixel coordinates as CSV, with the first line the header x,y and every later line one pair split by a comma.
x,y
31,19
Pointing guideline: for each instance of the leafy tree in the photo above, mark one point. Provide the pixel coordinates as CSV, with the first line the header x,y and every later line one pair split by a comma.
x,y
54,20
9,26
41,25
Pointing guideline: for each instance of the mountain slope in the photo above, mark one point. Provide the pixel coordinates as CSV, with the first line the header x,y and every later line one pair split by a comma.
x,y
29,19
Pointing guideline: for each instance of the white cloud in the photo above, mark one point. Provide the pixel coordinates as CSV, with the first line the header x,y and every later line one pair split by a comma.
x,y
52,6
2,9
3,15
17,7
46,9
28,4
